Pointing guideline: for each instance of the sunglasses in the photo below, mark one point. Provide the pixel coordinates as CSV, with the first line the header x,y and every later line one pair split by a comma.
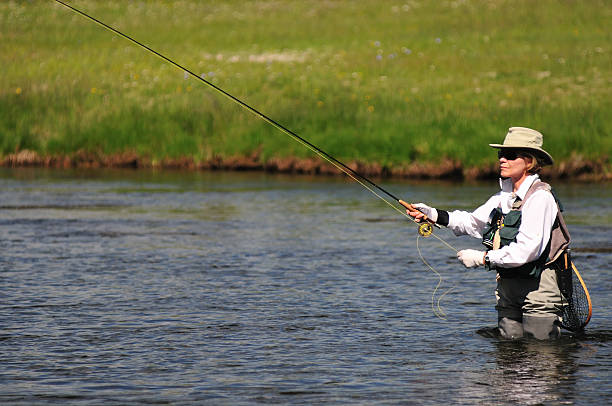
x,y
508,154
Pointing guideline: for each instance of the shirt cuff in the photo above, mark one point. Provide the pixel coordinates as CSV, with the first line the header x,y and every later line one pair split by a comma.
x,y
442,218
494,257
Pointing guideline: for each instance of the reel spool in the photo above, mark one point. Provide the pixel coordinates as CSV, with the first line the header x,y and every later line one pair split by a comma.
x,y
425,229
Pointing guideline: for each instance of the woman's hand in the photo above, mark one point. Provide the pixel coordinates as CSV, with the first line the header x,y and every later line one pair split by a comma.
x,y
472,258
421,211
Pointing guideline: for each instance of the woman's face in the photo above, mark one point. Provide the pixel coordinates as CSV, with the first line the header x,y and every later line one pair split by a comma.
x,y
512,164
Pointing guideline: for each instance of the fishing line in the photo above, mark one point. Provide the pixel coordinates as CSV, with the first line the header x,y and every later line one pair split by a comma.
x,y
436,306
425,227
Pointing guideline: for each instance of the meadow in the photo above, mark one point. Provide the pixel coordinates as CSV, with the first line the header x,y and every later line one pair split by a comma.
x,y
386,82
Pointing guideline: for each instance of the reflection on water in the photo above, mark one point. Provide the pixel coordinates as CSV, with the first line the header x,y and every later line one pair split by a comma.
x,y
531,372
136,287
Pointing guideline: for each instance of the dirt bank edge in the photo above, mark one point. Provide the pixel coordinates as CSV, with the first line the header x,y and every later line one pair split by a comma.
x,y
575,169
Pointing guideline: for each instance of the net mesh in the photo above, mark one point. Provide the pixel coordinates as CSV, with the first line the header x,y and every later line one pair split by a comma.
x,y
577,310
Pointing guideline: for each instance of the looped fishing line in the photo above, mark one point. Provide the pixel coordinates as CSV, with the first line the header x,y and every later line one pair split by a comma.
x,y
437,308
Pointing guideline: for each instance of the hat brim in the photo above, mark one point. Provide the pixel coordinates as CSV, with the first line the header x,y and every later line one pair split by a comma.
x,y
545,157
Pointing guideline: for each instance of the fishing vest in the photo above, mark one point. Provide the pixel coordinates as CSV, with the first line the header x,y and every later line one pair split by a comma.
x,y
501,230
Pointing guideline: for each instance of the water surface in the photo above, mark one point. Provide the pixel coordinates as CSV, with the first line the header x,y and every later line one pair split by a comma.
x,y
136,287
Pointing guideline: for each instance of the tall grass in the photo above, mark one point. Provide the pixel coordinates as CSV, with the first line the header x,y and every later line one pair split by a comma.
x,y
374,80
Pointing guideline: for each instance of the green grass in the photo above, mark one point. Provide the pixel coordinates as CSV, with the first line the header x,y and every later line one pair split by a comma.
x,y
385,81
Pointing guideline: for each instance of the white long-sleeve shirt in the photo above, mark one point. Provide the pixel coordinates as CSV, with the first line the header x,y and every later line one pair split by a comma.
x,y
537,219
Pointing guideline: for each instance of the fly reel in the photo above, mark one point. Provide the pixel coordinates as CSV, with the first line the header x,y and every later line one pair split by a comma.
x,y
425,229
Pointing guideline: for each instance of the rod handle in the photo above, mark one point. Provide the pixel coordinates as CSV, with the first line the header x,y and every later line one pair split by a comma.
x,y
412,208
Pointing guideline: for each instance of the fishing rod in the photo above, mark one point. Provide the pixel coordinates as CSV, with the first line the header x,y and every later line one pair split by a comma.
x,y
425,228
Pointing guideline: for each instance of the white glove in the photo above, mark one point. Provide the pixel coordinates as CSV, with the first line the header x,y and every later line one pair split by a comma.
x,y
428,211
471,258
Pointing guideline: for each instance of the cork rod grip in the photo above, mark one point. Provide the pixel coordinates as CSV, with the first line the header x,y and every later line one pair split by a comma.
x,y
412,208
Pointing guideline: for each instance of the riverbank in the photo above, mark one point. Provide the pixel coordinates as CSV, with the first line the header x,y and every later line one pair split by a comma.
x,y
405,89
579,169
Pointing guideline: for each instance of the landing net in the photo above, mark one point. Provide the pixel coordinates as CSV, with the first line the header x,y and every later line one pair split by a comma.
x,y
577,310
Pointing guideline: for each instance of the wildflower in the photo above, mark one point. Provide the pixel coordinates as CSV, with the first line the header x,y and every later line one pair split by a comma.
x,y
406,50
438,40
377,44
320,103
370,108
185,75
93,90
378,57
18,90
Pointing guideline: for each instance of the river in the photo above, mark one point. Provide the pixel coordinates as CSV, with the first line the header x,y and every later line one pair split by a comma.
x,y
141,287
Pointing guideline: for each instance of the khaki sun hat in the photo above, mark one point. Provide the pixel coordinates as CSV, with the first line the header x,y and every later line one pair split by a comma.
x,y
527,139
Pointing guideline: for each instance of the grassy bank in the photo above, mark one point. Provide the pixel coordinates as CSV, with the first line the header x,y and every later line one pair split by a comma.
x,y
374,81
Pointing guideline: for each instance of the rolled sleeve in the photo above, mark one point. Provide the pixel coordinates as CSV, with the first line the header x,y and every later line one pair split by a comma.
x,y
472,224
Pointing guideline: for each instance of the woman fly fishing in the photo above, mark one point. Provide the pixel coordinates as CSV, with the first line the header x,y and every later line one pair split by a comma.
x,y
519,226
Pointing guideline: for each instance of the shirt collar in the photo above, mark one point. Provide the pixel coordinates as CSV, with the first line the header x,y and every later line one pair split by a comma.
x,y
522,191
506,186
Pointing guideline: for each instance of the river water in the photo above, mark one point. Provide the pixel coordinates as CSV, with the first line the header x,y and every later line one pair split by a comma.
x,y
137,287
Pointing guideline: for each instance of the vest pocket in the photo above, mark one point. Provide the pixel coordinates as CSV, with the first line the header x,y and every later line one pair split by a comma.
x,y
510,228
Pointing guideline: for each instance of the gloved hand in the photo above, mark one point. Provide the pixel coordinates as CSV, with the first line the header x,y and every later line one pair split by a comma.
x,y
423,210
471,258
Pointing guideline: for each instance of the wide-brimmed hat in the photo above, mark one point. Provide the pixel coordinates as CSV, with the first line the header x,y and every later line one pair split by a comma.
x,y
526,139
